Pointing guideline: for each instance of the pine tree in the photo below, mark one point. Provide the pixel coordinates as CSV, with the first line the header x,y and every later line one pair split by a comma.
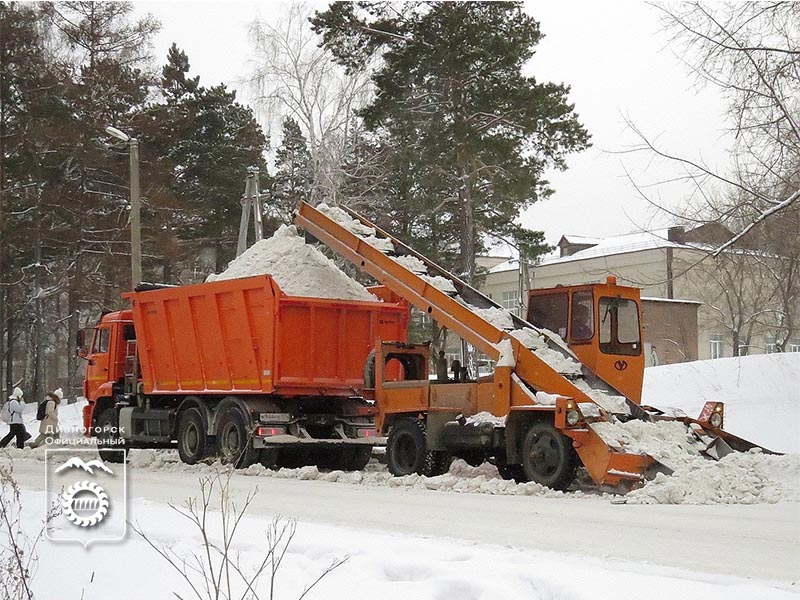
x,y
202,142
471,135
293,179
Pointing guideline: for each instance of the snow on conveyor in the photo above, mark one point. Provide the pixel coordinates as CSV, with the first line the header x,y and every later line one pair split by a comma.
x,y
297,267
562,360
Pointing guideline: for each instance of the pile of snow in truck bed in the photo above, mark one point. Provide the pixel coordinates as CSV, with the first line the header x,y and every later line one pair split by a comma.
x,y
299,268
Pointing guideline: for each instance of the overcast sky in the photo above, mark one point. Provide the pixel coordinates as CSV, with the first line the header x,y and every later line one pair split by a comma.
x,y
616,59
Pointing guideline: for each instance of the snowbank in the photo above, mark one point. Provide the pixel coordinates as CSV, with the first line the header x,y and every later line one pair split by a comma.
x,y
299,268
761,394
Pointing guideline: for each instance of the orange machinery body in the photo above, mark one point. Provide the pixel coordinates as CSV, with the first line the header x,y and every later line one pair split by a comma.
x,y
242,337
611,344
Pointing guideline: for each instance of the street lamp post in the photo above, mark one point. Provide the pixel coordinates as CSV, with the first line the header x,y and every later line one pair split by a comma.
x,y
136,224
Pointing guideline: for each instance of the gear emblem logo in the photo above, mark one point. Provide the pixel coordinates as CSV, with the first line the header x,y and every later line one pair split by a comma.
x,y
85,503
86,495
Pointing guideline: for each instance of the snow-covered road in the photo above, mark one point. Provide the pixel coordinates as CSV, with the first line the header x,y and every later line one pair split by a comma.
x,y
757,541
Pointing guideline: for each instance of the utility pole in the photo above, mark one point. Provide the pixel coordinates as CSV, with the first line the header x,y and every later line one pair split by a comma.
x,y
136,223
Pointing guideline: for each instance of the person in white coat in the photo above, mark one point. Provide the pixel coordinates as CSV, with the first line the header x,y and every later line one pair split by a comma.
x,y
15,422
48,427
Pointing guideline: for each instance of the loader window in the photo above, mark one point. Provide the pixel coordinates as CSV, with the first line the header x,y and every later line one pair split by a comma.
x,y
581,326
549,311
619,327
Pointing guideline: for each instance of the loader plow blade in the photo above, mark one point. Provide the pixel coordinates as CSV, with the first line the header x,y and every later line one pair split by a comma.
x,y
723,442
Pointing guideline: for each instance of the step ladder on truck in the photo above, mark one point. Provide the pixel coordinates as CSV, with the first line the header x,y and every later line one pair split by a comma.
x,y
547,407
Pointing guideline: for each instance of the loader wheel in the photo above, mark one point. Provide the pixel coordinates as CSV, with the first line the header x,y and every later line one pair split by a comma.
x,y
233,439
548,457
193,443
107,437
407,452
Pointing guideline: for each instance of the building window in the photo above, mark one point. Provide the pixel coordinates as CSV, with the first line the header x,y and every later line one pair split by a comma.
x,y
794,346
770,345
510,301
715,346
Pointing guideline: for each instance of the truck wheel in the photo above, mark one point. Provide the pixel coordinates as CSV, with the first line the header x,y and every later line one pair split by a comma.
x,y
233,439
107,438
548,457
407,452
193,443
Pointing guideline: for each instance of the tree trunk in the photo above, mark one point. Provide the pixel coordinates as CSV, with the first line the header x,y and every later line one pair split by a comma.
x,y
73,324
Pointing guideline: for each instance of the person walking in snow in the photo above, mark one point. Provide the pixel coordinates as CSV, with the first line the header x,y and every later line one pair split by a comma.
x,y
48,427
15,423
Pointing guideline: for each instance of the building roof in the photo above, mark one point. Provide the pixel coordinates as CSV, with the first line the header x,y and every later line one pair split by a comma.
x,y
676,300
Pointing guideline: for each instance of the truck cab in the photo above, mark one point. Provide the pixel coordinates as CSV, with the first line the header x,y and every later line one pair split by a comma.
x,y
107,351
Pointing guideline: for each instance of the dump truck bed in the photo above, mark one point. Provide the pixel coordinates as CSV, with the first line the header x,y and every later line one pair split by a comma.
x,y
245,336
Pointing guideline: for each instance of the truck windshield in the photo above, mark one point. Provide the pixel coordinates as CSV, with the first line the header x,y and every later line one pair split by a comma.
x,y
619,327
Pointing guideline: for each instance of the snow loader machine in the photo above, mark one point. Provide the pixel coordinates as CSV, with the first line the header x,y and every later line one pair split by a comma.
x,y
550,405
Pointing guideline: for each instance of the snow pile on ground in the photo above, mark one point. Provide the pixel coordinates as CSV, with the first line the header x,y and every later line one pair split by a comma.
x,y
760,392
357,227
739,478
460,478
299,268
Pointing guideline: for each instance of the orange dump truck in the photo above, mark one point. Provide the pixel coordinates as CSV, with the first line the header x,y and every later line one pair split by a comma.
x,y
238,369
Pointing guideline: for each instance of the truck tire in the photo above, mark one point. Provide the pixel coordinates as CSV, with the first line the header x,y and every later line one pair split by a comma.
x,y
407,452
193,443
234,442
548,457
107,438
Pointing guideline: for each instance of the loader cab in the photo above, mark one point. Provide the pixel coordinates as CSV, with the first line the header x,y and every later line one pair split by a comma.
x,y
106,353
601,323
